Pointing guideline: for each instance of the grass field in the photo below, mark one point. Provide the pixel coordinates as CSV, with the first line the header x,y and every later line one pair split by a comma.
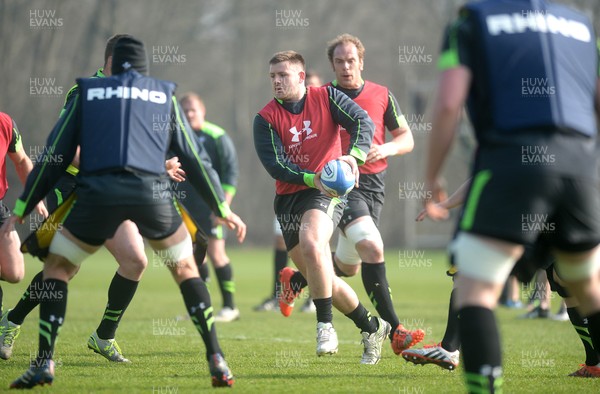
x,y
269,353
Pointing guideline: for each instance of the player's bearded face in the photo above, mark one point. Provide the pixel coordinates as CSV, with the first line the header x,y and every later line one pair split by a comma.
x,y
287,81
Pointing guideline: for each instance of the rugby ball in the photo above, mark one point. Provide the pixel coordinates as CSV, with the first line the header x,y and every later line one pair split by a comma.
x,y
337,178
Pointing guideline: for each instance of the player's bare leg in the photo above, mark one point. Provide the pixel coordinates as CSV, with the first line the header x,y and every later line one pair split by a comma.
x,y
312,256
177,251
12,266
127,247
362,247
58,270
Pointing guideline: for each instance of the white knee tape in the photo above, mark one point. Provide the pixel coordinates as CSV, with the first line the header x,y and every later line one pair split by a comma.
x,y
62,246
365,229
177,252
475,259
359,231
346,252
578,271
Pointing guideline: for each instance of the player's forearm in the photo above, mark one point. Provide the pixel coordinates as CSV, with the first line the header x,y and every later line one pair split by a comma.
x,y
452,91
439,145
458,197
41,179
282,169
205,180
402,143
273,157
441,140
23,167
75,161
228,197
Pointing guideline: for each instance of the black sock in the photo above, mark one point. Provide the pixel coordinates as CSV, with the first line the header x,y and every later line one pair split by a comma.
x,y
200,248
298,282
378,289
197,301
226,284
29,300
53,306
481,349
281,259
1,298
581,326
204,272
120,294
594,329
363,319
324,309
336,269
451,340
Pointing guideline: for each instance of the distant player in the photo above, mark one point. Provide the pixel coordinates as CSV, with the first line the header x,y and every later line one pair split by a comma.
x,y
223,156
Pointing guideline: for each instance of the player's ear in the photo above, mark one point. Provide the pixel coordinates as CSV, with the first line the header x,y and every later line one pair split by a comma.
x,y
302,75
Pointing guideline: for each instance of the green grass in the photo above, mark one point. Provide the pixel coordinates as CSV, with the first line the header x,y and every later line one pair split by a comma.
x,y
269,353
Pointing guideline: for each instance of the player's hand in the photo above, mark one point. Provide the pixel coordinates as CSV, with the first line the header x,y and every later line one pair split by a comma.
x,y
319,185
435,211
233,221
351,160
433,208
174,169
439,212
41,209
421,216
9,225
376,153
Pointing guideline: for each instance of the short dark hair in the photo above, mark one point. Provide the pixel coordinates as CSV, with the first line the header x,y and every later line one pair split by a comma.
x,y
342,39
110,44
288,56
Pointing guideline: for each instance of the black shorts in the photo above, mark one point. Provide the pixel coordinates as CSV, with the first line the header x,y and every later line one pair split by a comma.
x,y
94,224
4,212
524,206
554,285
535,257
362,203
208,226
198,210
62,190
290,208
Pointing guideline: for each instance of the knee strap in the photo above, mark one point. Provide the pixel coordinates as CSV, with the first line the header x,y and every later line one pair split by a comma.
x,y
63,246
